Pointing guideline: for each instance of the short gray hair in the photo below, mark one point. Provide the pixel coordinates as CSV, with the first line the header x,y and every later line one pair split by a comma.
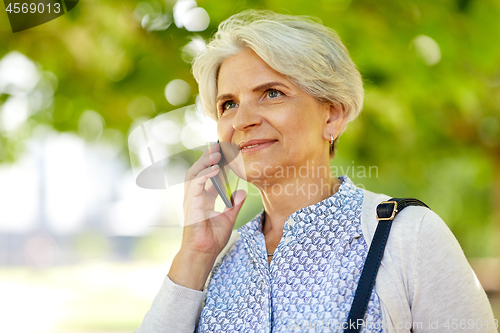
x,y
301,48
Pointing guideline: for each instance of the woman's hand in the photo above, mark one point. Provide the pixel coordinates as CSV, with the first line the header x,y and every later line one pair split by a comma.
x,y
205,231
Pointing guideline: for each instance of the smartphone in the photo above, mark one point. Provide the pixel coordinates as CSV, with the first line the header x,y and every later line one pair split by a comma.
x,y
221,182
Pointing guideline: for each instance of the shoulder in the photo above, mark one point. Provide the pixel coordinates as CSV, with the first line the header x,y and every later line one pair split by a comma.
x,y
407,224
419,239
421,261
414,231
396,275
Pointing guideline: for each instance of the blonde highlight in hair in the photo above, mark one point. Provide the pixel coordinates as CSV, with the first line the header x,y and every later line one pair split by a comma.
x,y
302,49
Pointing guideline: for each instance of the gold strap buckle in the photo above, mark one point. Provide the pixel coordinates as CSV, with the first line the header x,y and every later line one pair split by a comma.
x,y
387,218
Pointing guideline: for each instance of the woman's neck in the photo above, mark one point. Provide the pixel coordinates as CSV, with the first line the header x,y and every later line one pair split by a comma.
x,y
284,196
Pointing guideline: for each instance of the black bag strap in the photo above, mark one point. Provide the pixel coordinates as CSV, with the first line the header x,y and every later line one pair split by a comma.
x,y
386,212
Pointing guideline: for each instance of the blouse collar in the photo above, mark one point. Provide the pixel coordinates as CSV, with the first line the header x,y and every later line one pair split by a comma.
x,y
342,198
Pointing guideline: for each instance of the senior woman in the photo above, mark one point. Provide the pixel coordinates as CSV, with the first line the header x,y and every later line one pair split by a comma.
x,y
283,88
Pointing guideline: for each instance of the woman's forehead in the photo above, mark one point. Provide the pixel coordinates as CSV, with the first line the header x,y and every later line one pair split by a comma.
x,y
247,70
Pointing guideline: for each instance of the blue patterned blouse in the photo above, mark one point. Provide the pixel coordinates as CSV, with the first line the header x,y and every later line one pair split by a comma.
x,y
309,285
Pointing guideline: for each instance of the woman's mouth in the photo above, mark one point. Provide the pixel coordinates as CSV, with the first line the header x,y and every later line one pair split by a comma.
x,y
255,145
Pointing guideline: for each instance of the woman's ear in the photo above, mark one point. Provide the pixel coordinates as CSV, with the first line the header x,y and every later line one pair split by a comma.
x,y
334,120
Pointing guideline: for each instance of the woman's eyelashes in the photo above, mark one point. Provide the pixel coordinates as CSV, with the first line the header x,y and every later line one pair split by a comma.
x,y
273,93
228,105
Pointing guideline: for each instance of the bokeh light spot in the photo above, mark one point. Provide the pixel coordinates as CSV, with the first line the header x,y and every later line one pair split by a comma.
x,y
91,125
427,49
177,92
181,7
196,19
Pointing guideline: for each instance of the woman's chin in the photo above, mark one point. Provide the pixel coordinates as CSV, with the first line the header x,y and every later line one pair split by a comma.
x,y
261,169
263,178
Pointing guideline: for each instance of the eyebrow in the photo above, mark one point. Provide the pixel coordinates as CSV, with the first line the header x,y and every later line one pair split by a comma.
x,y
261,87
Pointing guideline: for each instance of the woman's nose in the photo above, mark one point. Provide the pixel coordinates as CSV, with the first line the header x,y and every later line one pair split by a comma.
x,y
247,116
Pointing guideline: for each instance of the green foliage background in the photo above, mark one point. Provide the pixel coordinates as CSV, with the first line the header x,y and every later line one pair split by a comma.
x,y
433,132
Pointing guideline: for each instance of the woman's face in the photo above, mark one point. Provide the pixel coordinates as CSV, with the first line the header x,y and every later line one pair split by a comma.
x,y
276,124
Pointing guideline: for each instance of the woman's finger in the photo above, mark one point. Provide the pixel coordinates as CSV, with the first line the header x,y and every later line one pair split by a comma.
x,y
205,161
197,185
209,157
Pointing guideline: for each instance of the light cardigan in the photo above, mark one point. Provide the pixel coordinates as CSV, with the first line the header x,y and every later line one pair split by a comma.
x,y
424,283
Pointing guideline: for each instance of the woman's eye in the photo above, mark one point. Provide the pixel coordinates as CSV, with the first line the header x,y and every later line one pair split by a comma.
x,y
228,105
273,93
